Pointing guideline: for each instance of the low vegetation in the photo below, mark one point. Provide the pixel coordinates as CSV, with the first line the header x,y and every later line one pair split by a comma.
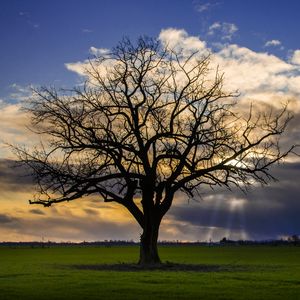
x,y
220,272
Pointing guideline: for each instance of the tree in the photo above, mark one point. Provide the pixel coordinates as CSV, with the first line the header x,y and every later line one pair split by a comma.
x,y
149,122
295,239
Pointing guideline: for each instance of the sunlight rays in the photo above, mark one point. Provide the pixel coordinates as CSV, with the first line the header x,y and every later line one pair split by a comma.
x,y
235,228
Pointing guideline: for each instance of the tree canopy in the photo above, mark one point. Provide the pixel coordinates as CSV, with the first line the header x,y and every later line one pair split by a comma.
x,y
148,122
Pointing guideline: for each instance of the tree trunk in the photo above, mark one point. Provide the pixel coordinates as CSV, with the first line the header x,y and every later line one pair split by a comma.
x,y
148,246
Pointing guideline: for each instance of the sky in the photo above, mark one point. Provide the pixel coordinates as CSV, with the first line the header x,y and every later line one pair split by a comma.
x,y
45,43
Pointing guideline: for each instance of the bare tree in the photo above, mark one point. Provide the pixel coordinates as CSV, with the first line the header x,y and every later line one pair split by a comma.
x,y
148,122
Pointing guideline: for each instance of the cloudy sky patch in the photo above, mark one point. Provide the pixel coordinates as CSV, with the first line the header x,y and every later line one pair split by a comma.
x,y
50,43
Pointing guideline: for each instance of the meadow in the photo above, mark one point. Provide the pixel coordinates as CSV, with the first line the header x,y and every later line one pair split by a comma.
x,y
229,272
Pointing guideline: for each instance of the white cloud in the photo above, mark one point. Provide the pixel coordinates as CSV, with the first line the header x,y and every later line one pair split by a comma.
x,y
295,59
35,25
83,68
14,121
78,67
86,30
23,13
212,28
19,93
203,7
13,128
173,38
99,51
179,39
227,30
26,16
206,6
260,77
250,71
272,43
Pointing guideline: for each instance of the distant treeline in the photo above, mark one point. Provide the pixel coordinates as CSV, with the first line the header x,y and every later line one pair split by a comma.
x,y
109,243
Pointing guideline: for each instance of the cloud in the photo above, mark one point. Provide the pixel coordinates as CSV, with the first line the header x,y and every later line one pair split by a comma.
x,y
255,72
91,211
219,213
267,81
215,26
272,43
236,215
180,40
202,7
15,184
258,76
66,223
295,59
5,219
173,38
19,93
36,211
24,13
86,30
261,78
226,30
99,51
84,219
78,67
14,124
27,17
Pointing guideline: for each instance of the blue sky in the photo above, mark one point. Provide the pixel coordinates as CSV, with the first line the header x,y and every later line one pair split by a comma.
x,y
256,43
38,37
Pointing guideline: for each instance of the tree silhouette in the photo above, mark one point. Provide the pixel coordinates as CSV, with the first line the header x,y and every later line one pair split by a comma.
x,y
148,122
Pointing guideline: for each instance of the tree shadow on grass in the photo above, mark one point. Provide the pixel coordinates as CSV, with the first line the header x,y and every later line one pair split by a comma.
x,y
167,266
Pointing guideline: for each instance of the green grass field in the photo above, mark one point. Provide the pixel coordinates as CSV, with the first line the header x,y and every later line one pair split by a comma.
x,y
250,272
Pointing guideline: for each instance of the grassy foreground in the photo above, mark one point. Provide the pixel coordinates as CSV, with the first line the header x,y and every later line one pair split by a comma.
x,y
250,272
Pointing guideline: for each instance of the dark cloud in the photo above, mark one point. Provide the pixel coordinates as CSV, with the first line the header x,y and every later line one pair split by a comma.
x,y
257,221
265,212
292,135
90,211
9,224
36,211
5,219
74,228
14,177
